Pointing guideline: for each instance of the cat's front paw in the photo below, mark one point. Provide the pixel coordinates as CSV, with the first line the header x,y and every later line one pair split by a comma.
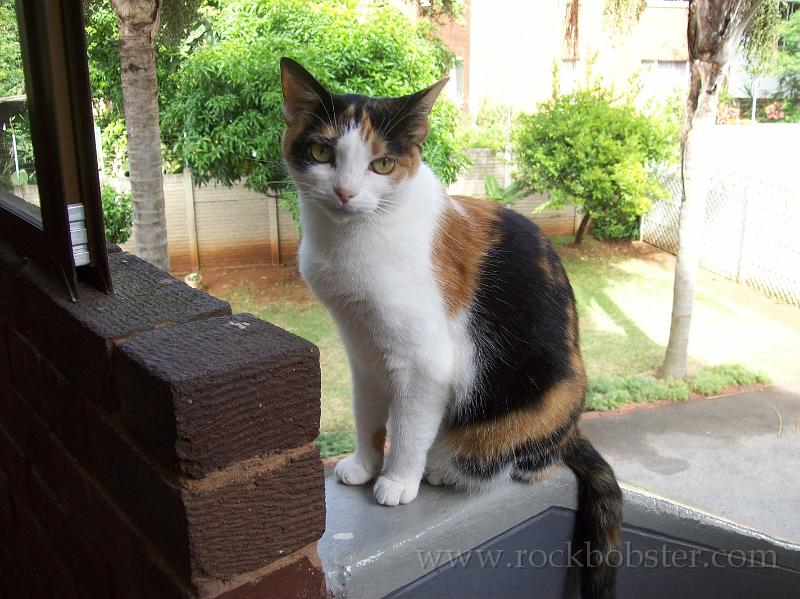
x,y
352,471
392,492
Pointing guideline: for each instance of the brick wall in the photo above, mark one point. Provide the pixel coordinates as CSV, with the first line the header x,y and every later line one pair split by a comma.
x,y
152,445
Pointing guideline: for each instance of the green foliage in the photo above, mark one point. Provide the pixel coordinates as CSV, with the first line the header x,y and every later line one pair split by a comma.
x,y
18,127
505,195
12,82
615,226
596,151
609,393
333,443
716,379
490,129
117,213
226,115
787,64
182,29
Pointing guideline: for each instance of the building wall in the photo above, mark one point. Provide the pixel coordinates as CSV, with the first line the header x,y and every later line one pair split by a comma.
x,y
513,46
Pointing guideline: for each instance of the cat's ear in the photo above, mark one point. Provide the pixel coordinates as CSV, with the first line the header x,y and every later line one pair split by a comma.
x,y
301,92
416,108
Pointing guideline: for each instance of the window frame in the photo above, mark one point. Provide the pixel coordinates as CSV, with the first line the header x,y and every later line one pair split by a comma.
x,y
58,99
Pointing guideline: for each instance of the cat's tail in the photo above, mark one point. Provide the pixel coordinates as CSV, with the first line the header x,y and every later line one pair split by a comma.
x,y
598,522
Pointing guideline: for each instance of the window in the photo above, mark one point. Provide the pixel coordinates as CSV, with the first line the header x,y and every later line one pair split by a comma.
x,y
455,87
663,77
47,138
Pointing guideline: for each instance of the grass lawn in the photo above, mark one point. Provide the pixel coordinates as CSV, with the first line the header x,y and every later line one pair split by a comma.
x,y
624,296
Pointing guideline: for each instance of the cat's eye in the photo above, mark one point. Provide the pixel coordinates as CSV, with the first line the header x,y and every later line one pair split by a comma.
x,y
321,153
382,166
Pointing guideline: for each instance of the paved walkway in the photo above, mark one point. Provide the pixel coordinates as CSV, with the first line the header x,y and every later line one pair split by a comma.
x,y
736,456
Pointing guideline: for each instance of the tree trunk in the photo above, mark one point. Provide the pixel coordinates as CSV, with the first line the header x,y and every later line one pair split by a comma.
x,y
714,32
138,24
582,228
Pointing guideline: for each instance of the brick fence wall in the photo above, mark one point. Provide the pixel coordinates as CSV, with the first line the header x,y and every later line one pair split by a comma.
x,y
152,445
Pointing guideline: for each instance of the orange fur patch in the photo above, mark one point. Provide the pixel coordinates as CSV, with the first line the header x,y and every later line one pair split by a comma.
x,y
486,440
379,439
461,242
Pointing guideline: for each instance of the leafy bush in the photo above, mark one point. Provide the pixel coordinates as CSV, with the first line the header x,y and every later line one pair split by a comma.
x,y
226,115
593,150
117,213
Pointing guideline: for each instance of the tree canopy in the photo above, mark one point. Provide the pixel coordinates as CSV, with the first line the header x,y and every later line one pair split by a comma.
x,y
226,115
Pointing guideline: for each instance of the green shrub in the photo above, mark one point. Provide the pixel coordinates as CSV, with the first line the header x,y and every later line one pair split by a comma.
x,y
594,150
117,213
615,227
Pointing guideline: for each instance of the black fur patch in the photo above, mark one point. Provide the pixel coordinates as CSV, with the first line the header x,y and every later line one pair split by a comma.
x,y
519,322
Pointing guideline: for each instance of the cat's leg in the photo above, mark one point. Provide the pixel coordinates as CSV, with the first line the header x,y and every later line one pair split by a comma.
x,y
438,467
370,408
415,413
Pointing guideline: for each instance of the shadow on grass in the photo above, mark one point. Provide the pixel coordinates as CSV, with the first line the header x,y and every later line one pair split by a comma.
x,y
608,352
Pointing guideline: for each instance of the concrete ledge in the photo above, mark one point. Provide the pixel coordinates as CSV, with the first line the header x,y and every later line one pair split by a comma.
x,y
369,550
372,551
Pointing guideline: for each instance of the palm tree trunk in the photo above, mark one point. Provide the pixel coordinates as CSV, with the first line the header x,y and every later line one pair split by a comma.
x,y
138,24
714,31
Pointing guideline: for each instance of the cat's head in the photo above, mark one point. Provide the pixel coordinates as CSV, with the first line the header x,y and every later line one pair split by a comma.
x,y
349,154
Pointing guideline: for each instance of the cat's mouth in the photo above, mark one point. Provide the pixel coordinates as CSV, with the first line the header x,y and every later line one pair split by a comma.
x,y
340,211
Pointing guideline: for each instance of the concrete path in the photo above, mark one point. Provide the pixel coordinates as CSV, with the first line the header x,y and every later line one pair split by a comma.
x,y
735,456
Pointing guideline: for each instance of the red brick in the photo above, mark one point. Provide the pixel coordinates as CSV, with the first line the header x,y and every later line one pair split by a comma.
x,y
9,265
5,359
8,520
254,518
105,527
12,581
58,401
86,563
78,337
300,579
204,395
220,526
152,503
42,561
13,464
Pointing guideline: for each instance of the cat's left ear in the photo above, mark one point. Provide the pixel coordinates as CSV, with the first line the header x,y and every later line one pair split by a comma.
x,y
417,107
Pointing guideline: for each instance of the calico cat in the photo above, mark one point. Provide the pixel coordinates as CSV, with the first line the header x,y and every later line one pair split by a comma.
x,y
457,315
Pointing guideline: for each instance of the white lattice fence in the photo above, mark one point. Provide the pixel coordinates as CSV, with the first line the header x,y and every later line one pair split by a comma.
x,y
751,232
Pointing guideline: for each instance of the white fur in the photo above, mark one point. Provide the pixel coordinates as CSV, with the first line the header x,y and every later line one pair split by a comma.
x,y
369,262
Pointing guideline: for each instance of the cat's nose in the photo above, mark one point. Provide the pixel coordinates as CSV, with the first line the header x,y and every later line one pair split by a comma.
x,y
345,195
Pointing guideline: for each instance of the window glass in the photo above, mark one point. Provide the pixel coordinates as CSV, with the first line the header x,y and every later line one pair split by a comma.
x,y
18,190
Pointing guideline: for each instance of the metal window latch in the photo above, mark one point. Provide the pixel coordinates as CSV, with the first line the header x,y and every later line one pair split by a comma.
x,y
77,232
